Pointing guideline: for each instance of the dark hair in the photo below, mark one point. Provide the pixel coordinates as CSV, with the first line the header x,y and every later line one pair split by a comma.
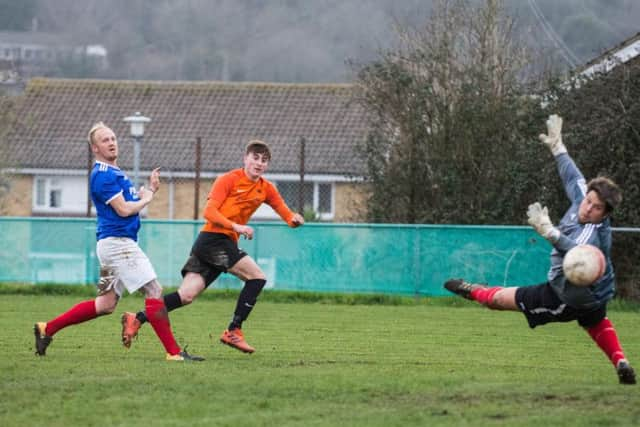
x,y
607,190
259,147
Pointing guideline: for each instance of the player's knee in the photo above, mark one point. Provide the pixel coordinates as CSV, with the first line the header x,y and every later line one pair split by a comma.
x,y
496,302
152,290
106,303
187,298
502,300
108,309
258,275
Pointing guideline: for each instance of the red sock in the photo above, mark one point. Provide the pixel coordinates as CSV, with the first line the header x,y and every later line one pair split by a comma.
x,y
485,295
81,312
159,319
604,334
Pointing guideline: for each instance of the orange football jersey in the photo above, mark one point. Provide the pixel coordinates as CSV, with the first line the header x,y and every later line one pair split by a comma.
x,y
234,198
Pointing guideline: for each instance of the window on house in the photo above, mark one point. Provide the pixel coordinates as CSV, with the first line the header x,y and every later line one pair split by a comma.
x,y
315,196
55,198
325,194
48,193
40,190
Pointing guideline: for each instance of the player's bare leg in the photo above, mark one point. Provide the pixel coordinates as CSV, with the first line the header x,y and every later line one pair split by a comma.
x,y
192,286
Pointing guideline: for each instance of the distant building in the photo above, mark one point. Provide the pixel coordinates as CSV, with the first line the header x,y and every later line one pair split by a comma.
x,y
623,53
48,157
10,81
41,54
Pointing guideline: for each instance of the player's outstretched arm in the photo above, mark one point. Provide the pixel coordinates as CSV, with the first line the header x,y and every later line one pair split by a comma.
x,y
553,137
572,179
538,217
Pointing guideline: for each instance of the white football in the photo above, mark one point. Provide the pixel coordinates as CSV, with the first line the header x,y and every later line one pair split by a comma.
x,y
583,265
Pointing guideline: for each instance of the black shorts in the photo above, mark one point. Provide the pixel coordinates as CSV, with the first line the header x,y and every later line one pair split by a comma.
x,y
211,255
541,305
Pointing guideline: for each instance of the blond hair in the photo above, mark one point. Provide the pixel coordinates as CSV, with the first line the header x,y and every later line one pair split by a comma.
x,y
94,128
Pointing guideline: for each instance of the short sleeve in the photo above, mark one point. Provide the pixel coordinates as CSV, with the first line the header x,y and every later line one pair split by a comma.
x,y
107,186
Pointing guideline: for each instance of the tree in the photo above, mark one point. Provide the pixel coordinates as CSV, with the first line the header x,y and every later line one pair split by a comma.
x,y
7,118
602,133
453,129
289,41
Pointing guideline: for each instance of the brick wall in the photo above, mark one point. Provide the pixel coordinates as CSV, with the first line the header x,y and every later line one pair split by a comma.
x,y
18,201
183,194
350,202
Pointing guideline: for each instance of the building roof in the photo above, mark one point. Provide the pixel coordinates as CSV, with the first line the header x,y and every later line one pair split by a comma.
x,y
624,52
54,116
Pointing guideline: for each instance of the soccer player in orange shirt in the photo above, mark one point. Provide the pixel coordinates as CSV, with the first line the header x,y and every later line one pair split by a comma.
x,y
233,198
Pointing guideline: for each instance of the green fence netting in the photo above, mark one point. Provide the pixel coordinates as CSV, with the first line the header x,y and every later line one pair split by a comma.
x,y
366,258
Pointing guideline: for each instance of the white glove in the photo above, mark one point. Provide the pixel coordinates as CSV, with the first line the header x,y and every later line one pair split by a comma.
x,y
553,139
540,221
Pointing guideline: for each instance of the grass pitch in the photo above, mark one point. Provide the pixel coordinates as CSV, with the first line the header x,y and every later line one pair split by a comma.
x,y
434,362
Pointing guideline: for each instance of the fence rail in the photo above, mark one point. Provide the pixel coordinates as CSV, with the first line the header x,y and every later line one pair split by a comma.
x,y
377,258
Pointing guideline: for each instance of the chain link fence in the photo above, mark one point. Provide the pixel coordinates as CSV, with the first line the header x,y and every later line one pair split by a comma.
x,y
54,180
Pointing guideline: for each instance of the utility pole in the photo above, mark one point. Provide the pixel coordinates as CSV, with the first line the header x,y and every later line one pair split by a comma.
x,y
196,186
301,192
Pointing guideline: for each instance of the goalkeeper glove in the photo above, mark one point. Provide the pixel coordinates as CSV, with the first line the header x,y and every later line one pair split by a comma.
x,y
540,221
553,138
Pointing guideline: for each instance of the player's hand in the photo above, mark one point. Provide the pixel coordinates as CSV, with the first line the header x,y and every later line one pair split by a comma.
x,y
243,230
154,180
297,220
553,138
539,219
145,194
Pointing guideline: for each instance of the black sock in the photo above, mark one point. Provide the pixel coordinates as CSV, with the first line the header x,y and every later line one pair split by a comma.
x,y
246,301
171,302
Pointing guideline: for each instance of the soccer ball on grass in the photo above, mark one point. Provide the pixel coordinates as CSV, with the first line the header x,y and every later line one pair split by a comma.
x,y
583,265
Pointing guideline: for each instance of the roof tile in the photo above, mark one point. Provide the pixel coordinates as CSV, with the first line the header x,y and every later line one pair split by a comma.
x,y
55,115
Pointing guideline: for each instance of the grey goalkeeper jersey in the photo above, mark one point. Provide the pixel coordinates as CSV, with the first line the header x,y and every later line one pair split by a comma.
x,y
573,233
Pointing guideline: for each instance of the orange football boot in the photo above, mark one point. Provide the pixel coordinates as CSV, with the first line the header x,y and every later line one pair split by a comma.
x,y
130,327
235,339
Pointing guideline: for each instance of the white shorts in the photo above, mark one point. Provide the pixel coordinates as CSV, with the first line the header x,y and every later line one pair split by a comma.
x,y
122,265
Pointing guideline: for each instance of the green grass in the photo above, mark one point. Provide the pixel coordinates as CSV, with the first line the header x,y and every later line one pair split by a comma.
x,y
342,362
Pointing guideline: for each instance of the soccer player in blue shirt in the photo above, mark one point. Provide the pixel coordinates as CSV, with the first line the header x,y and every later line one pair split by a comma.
x,y
557,300
123,264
